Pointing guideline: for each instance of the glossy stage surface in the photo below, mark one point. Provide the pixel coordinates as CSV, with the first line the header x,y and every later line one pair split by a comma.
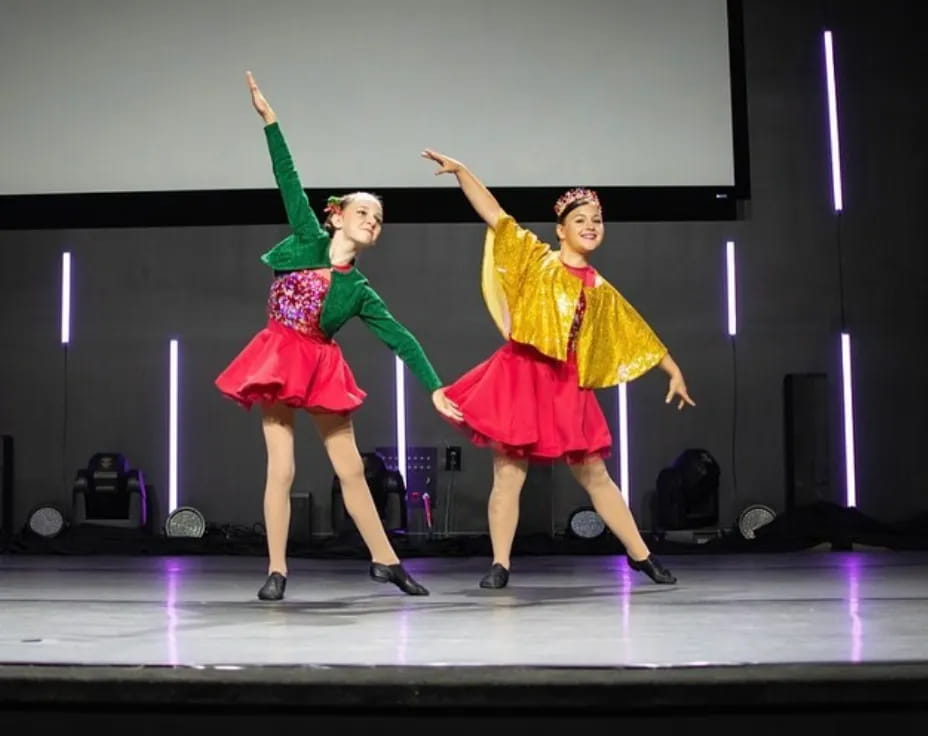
x,y
827,607
749,640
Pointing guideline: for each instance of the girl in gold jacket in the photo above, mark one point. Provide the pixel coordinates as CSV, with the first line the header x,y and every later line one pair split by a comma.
x,y
567,331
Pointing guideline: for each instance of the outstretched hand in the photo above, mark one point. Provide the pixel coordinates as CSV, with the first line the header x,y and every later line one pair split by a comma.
x,y
257,99
678,388
446,406
446,164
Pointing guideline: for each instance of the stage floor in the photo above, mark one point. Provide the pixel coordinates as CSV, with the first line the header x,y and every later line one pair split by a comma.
x,y
579,612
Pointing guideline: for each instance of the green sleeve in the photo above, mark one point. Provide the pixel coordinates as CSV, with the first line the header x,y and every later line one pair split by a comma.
x,y
396,337
300,215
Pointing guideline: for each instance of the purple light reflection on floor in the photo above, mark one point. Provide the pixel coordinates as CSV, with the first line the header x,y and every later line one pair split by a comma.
x,y
851,565
623,573
173,570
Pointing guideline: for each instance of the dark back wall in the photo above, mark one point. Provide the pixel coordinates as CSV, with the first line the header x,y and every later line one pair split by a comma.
x,y
134,289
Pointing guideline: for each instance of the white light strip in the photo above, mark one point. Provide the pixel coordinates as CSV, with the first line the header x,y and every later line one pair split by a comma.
x,y
833,122
401,418
623,442
732,310
172,431
847,384
65,298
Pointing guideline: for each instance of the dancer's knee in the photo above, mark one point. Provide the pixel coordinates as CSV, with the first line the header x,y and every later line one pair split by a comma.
x,y
280,475
593,477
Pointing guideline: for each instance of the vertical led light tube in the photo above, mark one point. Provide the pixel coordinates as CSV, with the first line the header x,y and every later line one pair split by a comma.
x,y
65,298
623,443
837,192
172,428
847,386
400,417
730,280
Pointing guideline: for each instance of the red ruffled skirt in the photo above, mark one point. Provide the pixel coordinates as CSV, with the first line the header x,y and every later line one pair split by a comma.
x,y
527,405
282,365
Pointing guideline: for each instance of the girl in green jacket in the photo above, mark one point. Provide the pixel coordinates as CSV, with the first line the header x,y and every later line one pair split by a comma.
x,y
294,363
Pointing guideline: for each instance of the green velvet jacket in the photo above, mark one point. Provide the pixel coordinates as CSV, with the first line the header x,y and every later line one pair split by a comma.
x,y
350,294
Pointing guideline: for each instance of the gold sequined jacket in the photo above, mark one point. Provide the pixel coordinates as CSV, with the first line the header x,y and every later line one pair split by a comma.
x,y
532,299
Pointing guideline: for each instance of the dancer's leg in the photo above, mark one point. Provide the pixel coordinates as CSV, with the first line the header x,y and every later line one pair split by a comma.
x,y
277,423
337,434
611,506
503,506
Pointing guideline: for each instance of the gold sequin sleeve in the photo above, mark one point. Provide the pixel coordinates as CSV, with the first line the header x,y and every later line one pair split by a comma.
x,y
615,345
510,254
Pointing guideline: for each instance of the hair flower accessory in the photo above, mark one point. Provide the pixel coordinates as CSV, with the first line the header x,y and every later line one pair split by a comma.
x,y
333,205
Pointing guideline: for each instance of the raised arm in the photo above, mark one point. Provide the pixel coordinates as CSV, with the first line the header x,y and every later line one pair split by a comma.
x,y
262,106
480,198
300,215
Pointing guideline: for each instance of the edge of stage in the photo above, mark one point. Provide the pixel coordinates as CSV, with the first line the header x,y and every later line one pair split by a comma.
x,y
319,690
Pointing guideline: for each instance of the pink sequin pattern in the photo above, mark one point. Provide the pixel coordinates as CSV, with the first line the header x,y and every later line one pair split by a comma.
x,y
575,325
296,302
588,276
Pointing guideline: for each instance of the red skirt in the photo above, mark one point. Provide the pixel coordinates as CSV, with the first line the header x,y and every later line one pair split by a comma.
x,y
281,365
527,405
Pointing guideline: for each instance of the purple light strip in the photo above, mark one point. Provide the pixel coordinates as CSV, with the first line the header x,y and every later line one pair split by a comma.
x,y
400,417
65,298
850,470
623,443
730,280
172,428
833,122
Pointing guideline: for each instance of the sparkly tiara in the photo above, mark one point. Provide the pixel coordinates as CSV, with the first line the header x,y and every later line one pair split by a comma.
x,y
574,195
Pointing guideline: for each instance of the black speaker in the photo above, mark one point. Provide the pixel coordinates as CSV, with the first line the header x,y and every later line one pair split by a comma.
x,y
301,517
6,485
806,446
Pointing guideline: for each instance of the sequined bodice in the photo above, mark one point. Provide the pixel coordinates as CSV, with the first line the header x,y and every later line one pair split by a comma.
x,y
295,300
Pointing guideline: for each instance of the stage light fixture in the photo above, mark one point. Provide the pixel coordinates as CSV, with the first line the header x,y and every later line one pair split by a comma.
x,y
585,523
46,520
185,521
688,492
753,518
